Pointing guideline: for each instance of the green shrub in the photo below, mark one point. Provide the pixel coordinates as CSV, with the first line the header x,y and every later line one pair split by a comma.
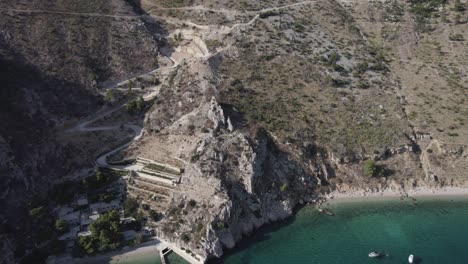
x,y
131,106
61,226
456,37
284,187
130,206
267,14
458,6
38,212
370,168
109,95
185,237
192,203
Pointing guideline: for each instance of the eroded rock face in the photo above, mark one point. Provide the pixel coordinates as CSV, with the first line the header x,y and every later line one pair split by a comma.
x,y
240,181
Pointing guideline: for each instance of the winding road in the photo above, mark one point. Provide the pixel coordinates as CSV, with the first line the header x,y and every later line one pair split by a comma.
x,y
84,126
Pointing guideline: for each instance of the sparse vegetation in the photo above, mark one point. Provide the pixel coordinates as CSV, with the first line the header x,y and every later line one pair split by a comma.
x,y
109,95
267,14
456,37
214,44
61,226
371,169
284,187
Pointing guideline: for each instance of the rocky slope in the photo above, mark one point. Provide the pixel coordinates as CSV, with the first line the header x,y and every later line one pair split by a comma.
x,y
290,104
52,62
268,104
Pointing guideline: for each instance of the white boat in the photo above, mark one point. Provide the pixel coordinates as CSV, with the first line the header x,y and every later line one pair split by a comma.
x,y
411,259
375,254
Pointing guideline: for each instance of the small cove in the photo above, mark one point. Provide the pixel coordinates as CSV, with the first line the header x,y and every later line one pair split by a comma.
x,y
434,229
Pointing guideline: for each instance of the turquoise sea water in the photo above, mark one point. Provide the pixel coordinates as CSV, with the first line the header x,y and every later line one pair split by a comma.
x,y
434,231
152,258
142,259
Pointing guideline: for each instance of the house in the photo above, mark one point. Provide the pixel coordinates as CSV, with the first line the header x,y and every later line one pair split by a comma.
x,y
127,220
147,231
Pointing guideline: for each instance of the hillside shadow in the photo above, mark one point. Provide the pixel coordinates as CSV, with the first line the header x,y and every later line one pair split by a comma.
x,y
158,32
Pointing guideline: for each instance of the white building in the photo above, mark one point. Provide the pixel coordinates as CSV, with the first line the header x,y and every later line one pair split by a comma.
x,y
84,233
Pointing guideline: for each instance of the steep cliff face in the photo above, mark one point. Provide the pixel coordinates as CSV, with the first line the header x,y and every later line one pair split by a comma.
x,y
240,179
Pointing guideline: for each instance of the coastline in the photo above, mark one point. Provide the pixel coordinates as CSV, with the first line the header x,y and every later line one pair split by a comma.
x,y
150,248
387,194
126,255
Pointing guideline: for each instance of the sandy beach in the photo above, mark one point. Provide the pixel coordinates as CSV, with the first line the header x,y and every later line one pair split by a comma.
x,y
126,255
414,192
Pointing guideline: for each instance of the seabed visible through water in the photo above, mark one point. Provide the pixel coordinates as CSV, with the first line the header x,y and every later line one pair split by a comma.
x,y
435,230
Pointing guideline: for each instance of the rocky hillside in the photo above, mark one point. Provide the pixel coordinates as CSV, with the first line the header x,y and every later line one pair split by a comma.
x,y
55,55
294,99
264,105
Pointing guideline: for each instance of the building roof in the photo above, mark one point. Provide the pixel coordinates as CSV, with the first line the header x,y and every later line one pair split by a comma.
x,y
84,233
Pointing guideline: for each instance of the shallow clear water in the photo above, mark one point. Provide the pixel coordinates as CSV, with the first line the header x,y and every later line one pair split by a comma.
x,y
173,258
434,231
141,259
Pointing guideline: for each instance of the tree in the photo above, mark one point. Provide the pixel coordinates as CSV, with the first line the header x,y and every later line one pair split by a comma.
x,y
131,107
371,169
61,226
192,203
138,239
139,103
185,237
156,81
130,207
284,187
87,243
99,176
109,95
105,234
38,212
459,7
155,215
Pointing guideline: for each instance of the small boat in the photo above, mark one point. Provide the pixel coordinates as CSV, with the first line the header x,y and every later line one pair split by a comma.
x,y
325,211
411,259
375,254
